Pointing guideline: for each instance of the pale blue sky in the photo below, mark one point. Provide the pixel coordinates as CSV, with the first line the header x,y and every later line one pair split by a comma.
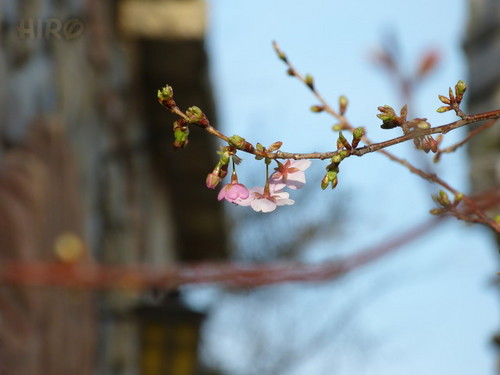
x,y
427,310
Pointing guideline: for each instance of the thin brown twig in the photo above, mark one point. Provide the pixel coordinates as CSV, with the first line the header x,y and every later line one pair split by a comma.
x,y
469,136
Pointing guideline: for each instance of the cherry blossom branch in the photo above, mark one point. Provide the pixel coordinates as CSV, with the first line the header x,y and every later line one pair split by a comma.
x,y
418,130
372,147
422,131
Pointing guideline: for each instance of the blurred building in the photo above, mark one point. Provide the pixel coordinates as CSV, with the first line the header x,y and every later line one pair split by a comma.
x,y
482,47
85,154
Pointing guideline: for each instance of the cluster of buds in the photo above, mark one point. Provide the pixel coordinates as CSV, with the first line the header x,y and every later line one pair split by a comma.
x,y
445,203
193,115
330,177
196,116
391,120
389,117
332,169
453,100
425,143
166,97
181,133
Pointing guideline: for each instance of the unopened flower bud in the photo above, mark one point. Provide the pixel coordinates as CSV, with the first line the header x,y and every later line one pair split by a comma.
x,y
181,133
237,141
357,134
337,127
212,180
335,182
325,182
433,144
403,112
336,159
389,118
444,99
240,143
451,96
309,81
342,104
282,56
443,198
443,109
317,108
460,88
166,97
275,146
330,177
342,142
423,125
166,93
194,114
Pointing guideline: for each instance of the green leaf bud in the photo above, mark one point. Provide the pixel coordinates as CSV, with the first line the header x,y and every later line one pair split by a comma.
x,y
342,104
423,125
358,133
237,141
194,114
275,146
336,159
166,93
444,99
309,81
317,108
460,88
325,182
443,109
443,198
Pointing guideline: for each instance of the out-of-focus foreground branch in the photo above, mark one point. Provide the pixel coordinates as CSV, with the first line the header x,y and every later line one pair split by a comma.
x,y
141,277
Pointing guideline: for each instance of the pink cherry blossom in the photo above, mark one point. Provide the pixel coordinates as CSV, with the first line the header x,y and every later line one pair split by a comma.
x,y
290,174
233,192
260,200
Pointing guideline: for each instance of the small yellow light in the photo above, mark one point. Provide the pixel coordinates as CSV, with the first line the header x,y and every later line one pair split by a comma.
x,y
69,247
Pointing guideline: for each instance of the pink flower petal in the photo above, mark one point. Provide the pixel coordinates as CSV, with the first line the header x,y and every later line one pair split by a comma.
x,y
233,192
290,175
264,205
222,193
276,184
284,202
301,164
